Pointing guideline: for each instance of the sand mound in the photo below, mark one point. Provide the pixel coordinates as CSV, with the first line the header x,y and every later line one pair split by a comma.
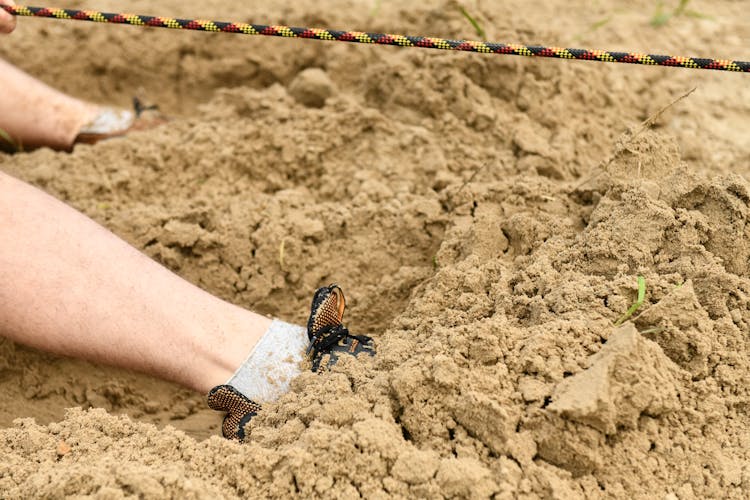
x,y
488,218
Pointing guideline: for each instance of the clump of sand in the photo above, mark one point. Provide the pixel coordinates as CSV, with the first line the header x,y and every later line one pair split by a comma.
x,y
486,236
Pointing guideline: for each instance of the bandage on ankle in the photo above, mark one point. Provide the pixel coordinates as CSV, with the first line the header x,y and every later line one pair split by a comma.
x,y
269,369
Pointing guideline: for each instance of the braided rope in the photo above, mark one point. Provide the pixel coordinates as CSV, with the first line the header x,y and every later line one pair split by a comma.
x,y
383,39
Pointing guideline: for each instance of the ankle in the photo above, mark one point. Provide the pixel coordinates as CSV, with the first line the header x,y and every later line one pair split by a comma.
x,y
224,347
79,115
267,372
65,119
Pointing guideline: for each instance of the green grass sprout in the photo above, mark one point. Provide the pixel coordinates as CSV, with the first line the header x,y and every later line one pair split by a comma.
x,y
638,303
593,27
477,27
600,23
6,137
681,7
656,329
375,8
662,16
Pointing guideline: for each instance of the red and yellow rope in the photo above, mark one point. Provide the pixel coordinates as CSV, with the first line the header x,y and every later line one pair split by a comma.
x,y
383,39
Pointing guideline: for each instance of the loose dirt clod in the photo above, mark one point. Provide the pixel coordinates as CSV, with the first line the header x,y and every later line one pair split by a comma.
x,y
63,449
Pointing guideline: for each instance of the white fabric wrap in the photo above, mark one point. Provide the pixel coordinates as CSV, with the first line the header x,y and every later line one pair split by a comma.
x,y
269,369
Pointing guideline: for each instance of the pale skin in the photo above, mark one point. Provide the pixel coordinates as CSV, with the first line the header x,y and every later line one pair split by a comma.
x,y
69,286
20,94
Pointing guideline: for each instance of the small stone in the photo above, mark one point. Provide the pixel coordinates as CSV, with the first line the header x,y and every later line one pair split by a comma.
x,y
151,407
182,234
416,466
180,411
465,478
532,389
629,376
323,485
63,449
486,418
312,87
445,371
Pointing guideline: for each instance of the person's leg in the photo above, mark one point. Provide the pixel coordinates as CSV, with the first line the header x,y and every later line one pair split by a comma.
x,y
7,21
36,115
69,286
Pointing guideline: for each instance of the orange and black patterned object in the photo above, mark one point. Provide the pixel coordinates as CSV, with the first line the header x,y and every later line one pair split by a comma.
x,y
328,335
238,407
384,39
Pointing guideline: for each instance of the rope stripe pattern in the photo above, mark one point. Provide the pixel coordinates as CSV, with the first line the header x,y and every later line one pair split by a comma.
x,y
383,39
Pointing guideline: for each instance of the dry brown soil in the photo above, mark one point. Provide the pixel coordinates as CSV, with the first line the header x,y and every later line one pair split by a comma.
x,y
487,216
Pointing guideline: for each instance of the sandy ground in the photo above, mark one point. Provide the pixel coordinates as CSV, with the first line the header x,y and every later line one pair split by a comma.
x,y
488,218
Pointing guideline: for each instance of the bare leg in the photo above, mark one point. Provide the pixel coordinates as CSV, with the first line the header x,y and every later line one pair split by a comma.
x,y
69,286
36,115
